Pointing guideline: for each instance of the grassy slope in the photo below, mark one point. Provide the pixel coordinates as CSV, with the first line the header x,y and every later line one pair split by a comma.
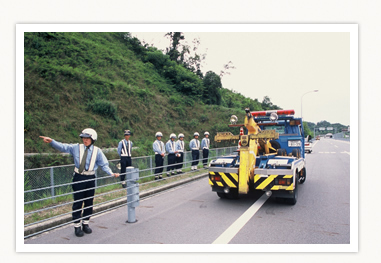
x,y
66,73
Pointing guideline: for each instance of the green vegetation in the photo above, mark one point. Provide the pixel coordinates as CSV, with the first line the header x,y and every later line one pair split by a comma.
x,y
112,82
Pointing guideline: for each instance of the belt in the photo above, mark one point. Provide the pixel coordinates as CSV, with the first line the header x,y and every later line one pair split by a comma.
x,y
84,172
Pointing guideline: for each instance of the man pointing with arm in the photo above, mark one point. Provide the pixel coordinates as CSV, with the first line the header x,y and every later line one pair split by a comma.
x,y
87,158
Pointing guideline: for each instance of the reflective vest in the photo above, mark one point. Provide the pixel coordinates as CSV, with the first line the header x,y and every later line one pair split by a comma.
x,y
124,149
93,159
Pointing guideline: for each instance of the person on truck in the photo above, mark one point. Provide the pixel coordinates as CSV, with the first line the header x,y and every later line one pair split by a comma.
x,y
124,151
87,158
194,145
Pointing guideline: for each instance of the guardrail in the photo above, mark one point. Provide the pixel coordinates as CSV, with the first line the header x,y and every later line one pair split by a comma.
x,y
48,194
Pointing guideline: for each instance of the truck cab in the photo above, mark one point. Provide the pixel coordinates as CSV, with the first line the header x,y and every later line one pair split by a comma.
x,y
291,134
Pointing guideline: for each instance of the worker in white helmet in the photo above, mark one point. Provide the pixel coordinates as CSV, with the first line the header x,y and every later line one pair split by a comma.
x,y
159,150
205,144
194,145
170,147
180,153
124,151
87,158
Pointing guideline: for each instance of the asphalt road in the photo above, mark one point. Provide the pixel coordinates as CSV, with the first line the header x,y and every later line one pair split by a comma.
x,y
192,214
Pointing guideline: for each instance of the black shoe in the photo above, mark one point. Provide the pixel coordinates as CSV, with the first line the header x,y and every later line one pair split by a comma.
x,y
78,231
124,185
86,229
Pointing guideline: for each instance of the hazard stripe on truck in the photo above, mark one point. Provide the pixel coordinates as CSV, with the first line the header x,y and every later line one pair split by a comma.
x,y
226,179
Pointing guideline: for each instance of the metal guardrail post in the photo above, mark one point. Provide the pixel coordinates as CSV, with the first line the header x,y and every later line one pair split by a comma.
x,y
132,193
52,181
150,163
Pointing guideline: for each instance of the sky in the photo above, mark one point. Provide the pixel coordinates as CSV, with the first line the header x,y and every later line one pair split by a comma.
x,y
285,66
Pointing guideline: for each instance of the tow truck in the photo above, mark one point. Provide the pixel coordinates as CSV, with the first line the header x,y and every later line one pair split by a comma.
x,y
270,158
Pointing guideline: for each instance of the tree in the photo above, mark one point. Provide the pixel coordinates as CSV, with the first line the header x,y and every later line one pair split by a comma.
x,y
213,85
268,105
173,51
184,54
225,71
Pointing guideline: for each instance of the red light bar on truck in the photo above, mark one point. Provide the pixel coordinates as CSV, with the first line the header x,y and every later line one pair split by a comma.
x,y
268,112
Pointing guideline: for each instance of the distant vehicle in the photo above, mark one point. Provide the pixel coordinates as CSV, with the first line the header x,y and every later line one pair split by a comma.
x,y
318,137
307,145
329,135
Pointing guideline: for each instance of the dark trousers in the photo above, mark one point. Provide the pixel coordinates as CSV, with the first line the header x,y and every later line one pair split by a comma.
x,y
159,162
171,162
195,157
205,154
125,161
179,161
88,195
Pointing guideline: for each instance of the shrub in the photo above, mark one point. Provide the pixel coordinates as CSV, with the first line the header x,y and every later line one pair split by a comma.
x,y
104,108
27,120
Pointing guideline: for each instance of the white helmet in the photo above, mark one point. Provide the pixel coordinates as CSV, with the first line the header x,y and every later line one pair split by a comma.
x,y
89,133
172,136
158,134
206,133
196,134
181,135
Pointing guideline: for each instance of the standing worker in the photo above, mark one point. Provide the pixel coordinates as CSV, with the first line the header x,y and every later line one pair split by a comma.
x,y
159,149
87,158
194,145
170,147
124,151
205,143
180,153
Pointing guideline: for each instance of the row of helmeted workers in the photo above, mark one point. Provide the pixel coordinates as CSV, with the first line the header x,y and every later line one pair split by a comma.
x,y
173,149
88,157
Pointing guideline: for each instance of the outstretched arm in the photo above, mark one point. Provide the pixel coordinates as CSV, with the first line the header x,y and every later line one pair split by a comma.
x,y
46,139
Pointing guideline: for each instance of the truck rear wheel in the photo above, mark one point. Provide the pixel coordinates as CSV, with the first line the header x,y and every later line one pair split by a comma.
x,y
233,194
294,198
302,176
221,195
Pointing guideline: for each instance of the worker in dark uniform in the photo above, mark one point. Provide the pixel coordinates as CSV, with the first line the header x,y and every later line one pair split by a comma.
x,y
205,143
159,150
87,158
180,153
124,151
194,145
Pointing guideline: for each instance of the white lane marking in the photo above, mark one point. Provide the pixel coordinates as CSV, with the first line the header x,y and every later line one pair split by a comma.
x,y
346,152
336,146
229,233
